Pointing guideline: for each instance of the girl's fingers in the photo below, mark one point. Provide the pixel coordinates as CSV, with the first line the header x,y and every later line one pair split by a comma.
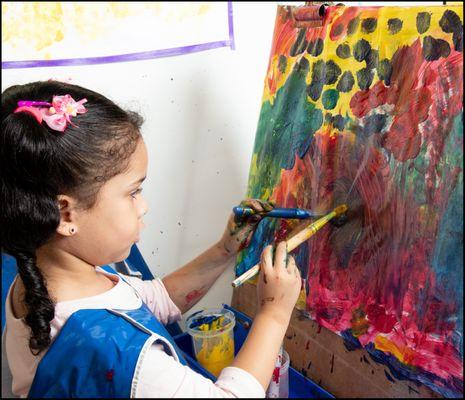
x,y
253,203
267,205
280,258
293,269
291,265
248,239
266,261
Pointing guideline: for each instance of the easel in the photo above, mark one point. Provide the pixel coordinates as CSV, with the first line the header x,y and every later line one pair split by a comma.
x,y
315,351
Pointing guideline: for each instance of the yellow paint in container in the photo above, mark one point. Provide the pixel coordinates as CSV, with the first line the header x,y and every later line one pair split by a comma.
x,y
212,333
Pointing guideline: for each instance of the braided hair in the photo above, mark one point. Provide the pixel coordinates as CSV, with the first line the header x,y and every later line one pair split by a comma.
x,y
38,164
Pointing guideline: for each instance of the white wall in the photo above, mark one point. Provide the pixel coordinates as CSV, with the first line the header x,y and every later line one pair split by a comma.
x,y
201,112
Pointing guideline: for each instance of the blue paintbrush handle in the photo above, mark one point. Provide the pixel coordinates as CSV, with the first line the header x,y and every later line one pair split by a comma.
x,y
291,213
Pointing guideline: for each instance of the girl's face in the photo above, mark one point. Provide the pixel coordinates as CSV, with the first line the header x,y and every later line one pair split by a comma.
x,y
106,232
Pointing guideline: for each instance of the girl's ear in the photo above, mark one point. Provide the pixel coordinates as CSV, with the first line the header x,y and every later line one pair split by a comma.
x,y
68,222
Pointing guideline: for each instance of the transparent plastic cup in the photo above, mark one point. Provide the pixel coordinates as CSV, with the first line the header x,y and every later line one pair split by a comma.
x,y
284,377
281,389
213,348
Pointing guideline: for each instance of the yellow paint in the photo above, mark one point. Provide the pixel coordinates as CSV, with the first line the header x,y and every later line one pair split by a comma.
x,y
216,352
40,25
302,300
402,353
204,8
381,39
37,24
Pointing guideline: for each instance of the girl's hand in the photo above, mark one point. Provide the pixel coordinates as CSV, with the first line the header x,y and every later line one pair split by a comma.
x,y
279,284
239,232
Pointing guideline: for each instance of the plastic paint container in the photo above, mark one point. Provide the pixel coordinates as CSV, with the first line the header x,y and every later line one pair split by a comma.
x,y
279,384
284,377
212,338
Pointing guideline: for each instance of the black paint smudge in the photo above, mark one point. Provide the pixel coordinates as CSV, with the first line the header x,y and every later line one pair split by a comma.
x,y
364,78
361,50
315,48
369,25
450,23
282,63
374,124
337,121
343,51
300,43
435,48
346,82
314,90
372,59
353,25
423,22
337,30
385,71
332,72
394,25
303,65
318,78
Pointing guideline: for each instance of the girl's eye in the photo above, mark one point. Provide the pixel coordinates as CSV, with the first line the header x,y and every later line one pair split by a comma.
x,y
136,192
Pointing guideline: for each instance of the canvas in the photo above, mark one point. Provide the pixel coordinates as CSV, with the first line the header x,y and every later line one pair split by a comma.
x,y
367,110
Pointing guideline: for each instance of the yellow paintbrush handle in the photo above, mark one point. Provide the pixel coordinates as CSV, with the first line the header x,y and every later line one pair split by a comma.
x,y
294,241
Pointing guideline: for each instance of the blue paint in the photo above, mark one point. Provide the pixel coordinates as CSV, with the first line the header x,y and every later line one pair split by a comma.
x,y
448,253
263,235
208,319
290,213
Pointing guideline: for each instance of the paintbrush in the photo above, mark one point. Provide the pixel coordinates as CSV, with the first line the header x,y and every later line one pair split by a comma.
x,y
291,213
288,213
296,240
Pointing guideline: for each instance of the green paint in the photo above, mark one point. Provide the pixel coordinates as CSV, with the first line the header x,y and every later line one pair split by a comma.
x,y
330,98
284,129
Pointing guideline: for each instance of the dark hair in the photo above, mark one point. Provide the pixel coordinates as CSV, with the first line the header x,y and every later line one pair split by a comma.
x,y
39,163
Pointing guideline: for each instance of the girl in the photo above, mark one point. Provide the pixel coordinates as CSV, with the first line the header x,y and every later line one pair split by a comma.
x,y
73,163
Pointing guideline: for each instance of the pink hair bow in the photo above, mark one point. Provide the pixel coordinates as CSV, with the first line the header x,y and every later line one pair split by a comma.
x,y
57,114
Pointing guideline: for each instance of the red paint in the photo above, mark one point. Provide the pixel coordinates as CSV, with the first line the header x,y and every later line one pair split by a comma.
x,y
109,375
408,96
388,274
347,15
194,295
380,262
382,321
275,377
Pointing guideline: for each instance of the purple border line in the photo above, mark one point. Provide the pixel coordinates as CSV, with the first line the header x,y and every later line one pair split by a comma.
x,y
145,55
232,43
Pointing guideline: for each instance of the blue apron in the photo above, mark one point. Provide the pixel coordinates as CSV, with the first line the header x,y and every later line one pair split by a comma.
x,y
97,351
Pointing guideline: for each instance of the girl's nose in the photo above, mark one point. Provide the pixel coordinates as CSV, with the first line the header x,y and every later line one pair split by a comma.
x,y
144,208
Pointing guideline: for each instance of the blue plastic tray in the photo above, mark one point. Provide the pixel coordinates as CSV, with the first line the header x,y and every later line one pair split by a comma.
x,y
299,385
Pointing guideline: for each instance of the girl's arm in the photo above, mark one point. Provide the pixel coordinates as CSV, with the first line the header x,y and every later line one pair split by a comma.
x,y
278,289
187,285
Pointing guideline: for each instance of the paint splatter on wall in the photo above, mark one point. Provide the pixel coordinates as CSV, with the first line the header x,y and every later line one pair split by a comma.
x,y
368,110
62,30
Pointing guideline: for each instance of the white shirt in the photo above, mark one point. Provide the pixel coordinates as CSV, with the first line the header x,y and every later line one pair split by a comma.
x,y
160,374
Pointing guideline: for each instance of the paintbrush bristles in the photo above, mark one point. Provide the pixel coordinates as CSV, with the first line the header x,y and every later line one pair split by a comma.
x,y
340,209
294,241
